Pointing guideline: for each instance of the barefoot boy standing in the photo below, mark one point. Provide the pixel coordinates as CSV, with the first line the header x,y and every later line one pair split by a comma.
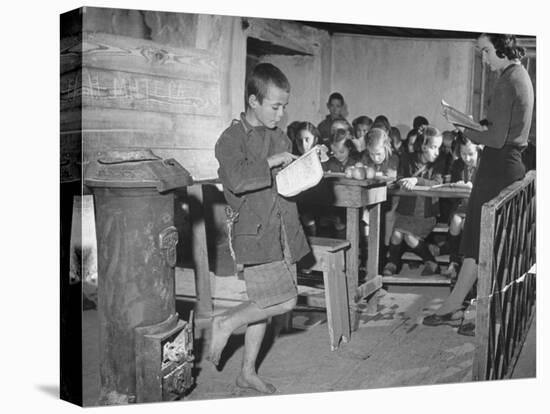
x,y
266,235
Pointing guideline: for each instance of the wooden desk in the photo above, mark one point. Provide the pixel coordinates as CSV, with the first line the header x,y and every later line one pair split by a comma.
x,y
445,191
355,195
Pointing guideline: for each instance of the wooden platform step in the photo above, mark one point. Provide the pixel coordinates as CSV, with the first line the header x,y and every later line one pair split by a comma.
x,y
412,257
441,228
404,279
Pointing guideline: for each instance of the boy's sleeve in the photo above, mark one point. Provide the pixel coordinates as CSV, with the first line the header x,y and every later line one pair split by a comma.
x,y
238,172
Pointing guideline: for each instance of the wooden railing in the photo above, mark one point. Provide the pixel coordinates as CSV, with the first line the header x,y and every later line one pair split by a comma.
x,y
506,288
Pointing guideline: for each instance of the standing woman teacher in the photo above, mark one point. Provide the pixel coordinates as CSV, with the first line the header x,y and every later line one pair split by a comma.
x,y
505,137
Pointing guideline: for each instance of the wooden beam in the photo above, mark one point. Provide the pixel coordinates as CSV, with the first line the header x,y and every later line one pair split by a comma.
x,y
291,35
139,56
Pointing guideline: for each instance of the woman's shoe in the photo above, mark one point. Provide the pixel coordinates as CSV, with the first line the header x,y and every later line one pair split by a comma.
x,y
389,269
450,319
467,329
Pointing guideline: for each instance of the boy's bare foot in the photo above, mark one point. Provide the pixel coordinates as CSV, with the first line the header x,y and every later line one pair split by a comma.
x,y
219,336
254,382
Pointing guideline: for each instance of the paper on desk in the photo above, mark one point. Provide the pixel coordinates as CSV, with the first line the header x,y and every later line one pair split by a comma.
x,y
455,117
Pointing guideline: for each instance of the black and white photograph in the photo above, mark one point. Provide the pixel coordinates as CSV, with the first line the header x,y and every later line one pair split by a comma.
x,y
294,208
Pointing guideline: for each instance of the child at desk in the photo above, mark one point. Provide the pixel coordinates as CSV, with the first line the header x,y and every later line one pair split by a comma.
x,y
415,217
381,162
306,137
397,143
447,155
463,172
361,125
378,154
336,108
341,158
341,152
309,206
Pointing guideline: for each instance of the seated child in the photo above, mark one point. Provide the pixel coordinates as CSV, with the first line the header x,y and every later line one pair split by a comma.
x,y
446,153
463,171
396,142
409,141
415,217
361,126
336,108
291,133
378,154
340,159
445,159
382,122
418,121
307,136
342,124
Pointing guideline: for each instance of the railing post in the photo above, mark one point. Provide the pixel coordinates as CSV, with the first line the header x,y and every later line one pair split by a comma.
x,y
484,282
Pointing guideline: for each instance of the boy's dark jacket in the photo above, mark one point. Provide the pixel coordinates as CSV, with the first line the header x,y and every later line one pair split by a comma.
x,y
250,189
431,175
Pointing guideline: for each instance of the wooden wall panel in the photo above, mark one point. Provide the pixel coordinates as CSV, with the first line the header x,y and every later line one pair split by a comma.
x,y
146,128
115,89
105,51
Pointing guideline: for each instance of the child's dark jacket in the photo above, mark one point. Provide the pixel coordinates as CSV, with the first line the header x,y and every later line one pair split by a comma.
x,y
431,175
250,190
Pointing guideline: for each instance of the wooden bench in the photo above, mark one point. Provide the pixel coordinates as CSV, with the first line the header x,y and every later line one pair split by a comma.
x,y
330,259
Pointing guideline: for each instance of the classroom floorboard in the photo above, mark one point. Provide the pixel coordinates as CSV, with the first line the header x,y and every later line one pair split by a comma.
x,y
389,349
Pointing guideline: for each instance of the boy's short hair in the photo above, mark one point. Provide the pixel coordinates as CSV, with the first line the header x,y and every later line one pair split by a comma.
x,y
339,135
361,120
418,121
395,133
261,77
336,95
382,122
345,125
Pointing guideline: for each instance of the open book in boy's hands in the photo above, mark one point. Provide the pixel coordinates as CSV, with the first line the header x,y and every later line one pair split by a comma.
x,y
455,117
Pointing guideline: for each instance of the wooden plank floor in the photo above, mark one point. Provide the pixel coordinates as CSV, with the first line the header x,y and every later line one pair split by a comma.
x,y
389,349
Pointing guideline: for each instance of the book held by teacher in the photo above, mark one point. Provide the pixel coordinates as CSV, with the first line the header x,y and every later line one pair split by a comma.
x,y
456,117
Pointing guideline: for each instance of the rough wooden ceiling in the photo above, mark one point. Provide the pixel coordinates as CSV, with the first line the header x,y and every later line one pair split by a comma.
x,y
333,28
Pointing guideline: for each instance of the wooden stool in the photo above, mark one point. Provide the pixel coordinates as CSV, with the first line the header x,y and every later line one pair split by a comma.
x,y
330,259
